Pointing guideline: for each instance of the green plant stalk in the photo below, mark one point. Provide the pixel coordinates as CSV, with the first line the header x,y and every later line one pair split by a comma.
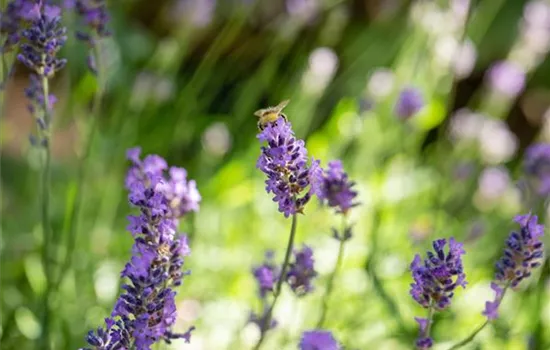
x,y
45,217
430,317
332,277
286,261
472,335
70,229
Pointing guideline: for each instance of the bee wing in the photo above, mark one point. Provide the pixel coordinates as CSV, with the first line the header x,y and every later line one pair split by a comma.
x,y
282,105
259,112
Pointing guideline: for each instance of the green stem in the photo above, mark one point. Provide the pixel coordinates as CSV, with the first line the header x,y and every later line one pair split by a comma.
x,y
45,215
332,277
267,322
430,321
72,225
472,335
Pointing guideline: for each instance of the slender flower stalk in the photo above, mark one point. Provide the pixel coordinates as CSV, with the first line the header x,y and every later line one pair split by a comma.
x,y
523,253
435,279
332,277
145,312
39,45
71,229
337,192
266,323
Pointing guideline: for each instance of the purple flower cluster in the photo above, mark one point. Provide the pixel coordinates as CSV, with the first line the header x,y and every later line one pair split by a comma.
x,y
146,311
409,102
523,253
285,162
301,271
11,20
507,77
44,39
537,165
336,189
424,341
436,278
95,16
318,340
266,276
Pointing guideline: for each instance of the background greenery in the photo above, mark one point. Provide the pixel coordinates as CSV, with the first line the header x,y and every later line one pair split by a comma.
x,y
183,80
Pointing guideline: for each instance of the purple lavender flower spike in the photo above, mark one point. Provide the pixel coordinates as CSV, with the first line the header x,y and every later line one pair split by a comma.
x,y
508,78
266,276
43,40
13,20
524,252
146,310
284,161
301,271
409,102
537,166
95,15
336,189
318,340
436,278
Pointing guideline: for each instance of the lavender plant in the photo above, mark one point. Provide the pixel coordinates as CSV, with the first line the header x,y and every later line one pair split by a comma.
x,y
39,42
293,182
145,312
337,192
435,279
523,253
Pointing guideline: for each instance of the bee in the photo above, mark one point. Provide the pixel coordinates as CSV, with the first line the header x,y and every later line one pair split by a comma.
x,y
271,114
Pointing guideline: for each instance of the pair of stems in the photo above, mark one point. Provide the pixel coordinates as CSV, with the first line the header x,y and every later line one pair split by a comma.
x,y
265,325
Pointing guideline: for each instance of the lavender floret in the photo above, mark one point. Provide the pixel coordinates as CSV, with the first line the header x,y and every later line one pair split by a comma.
x,y
318,340
302,271
524,252
537,166
409,102
336,189
266,276
95,15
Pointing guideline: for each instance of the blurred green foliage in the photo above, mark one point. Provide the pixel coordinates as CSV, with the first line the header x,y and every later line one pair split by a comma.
x,y
184,84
